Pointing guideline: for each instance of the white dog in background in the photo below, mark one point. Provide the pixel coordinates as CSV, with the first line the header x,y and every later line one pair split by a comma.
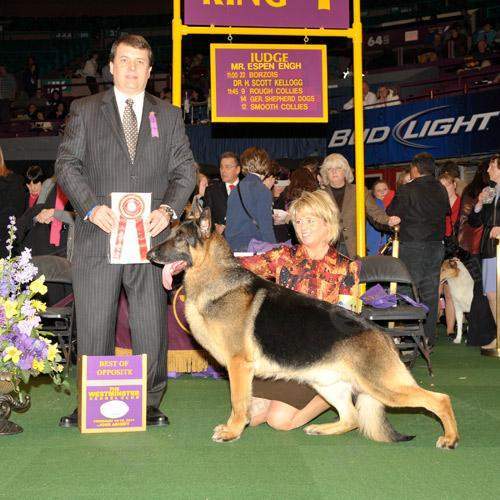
x,y
461,286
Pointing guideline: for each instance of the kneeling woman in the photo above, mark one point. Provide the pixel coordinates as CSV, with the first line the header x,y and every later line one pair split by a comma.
x,y
315,268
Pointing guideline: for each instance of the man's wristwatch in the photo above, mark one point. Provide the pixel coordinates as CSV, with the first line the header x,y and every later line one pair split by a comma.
x,y
168,210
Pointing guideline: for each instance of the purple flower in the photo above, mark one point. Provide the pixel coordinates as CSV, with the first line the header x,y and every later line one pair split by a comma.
x,y
25,273
27,309
3,318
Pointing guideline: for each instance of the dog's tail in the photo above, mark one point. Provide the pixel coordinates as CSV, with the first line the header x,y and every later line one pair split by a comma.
x,y
373,421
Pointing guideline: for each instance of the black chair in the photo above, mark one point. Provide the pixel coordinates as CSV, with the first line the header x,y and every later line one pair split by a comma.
x,y
58,318
404,322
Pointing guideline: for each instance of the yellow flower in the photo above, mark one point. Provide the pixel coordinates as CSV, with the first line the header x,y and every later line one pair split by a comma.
x,y
52,352
38,286
39,305
59,368
11,308
38,365
12,353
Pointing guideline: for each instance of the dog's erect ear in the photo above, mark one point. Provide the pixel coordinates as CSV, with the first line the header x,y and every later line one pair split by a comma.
x,y
205,223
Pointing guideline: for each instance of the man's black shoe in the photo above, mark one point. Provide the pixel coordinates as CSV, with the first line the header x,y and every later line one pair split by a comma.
x,y
69,420
155,417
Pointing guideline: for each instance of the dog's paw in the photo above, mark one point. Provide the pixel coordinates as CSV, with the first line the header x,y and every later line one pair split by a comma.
x,y
457,341
223,434
447,443
313,430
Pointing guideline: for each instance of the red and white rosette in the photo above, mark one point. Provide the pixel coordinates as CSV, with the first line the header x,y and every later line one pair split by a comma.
x,y
131,207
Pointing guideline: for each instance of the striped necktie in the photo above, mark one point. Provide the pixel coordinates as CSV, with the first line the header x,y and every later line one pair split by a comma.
x,y
130,128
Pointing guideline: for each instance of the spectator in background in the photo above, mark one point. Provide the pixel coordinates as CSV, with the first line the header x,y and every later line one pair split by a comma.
x,y
34,178
486,213
280,217
404,177
386,97
422,205
59,113
486,33
337,178
38,100
448,180
313,164
458,42
32,112
376,238
30,77
54,99
451,168
369,98
12,200
89,72
217,193
249,206
7,93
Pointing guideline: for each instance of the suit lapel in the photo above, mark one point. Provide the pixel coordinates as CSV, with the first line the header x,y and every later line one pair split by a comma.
x,y
148,107
110,112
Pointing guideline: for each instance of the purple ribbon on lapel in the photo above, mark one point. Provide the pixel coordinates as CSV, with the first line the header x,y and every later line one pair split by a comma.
x,y
154,124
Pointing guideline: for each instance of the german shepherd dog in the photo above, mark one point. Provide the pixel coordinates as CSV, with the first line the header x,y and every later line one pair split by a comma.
x,y
255,327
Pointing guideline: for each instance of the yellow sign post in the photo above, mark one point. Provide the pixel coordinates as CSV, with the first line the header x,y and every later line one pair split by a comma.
x,y
180,30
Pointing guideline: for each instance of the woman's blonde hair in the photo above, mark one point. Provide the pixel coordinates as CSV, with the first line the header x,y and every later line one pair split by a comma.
x,y
318,204
336,160
255,160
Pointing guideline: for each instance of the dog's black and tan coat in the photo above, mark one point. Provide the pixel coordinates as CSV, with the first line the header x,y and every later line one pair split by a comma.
x,y
255,327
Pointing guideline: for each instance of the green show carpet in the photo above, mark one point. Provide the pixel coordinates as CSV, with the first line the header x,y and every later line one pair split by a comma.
x,y
181,461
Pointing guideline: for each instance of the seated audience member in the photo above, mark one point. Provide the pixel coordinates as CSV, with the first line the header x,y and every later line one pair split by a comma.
x,y
487,33
312,163
54,99
12,196
478,59
337,178
369,98
34,178
199,192
449,183
249,206
32,112
314,268
376,238
217,192
59,113
386,97
486,213
38,100
458,42
47,227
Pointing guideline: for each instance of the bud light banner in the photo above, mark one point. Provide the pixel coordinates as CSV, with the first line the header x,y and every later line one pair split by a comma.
x,y
268,13
447,127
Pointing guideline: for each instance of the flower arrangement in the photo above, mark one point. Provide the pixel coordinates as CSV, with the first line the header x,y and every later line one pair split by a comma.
x,y
24,352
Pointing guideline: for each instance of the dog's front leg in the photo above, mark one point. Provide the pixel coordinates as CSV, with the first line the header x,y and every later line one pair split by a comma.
x,y
240,381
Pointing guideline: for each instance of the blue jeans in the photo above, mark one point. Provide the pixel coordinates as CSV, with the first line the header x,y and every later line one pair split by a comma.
x,y
423,260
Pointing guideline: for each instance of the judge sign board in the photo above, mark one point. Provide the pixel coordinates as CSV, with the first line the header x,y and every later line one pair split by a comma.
x,y
269,83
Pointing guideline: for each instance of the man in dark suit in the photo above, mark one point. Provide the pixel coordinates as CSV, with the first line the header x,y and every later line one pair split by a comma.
x,y
422,206
217,193
123,140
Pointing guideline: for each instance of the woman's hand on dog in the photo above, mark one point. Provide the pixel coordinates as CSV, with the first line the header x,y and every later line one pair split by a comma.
x,y
103,217
157,221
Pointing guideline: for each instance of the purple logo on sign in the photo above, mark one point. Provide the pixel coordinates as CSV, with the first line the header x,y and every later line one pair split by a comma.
x,y
333,14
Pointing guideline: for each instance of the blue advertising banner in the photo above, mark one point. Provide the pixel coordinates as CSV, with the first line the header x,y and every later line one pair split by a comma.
x,y
446,127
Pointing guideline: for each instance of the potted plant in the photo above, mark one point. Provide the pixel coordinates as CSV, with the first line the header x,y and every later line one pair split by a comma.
x,y
24,351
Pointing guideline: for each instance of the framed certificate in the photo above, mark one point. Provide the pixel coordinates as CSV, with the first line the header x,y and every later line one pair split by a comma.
x,y
129,242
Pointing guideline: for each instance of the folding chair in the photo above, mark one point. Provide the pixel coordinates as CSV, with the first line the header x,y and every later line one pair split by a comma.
x,y
59,317
404,322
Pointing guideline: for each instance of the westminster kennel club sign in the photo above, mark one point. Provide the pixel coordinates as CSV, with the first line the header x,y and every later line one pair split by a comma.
x,y
112,393
269,83
331,14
